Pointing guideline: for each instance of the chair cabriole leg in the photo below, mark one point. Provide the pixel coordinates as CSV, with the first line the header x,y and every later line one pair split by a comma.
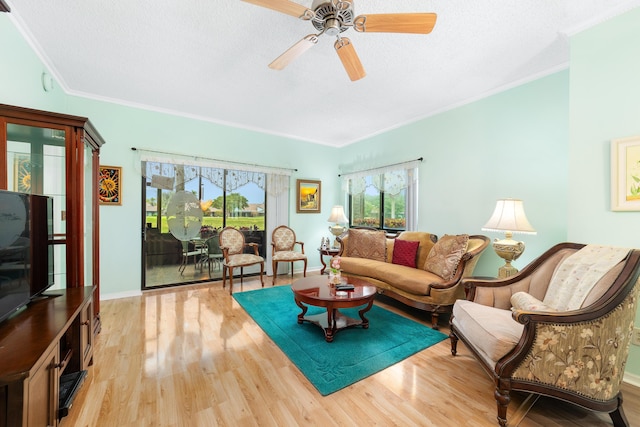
x,y
274,266
617,416
454,343
502,395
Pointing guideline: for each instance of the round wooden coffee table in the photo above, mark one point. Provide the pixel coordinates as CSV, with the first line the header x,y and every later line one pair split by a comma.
x,y
316,291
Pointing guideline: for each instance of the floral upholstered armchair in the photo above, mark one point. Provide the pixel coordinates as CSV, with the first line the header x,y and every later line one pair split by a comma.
x,y
561,327
283,242
232,244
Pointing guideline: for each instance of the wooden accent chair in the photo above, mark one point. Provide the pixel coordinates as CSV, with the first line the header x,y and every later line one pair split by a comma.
x,y
283,241
528,337
233,244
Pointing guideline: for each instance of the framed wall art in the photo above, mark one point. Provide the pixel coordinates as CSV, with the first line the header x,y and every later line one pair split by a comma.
x,y
109,185
22,173
625,174
308,196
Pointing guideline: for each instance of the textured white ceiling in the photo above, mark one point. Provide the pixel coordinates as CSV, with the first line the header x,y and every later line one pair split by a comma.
x,y
208,59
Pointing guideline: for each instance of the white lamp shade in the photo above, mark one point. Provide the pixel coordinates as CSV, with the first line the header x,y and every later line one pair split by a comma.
x,y
509,216
337,215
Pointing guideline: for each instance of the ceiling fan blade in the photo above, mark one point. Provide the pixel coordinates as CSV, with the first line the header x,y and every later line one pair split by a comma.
x,y
285,6
293,52
349,58
416,23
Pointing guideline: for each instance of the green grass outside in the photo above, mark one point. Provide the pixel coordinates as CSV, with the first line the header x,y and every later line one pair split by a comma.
x,y
216,222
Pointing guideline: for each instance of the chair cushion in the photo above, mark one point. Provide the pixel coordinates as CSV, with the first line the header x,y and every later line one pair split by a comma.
x,y
446,254
243,259
493,331
288,256
404,252
412,280
283,238
523,301
369,244
576,276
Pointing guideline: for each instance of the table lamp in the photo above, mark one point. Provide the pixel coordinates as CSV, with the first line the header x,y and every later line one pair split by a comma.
x,y
337,217
508,217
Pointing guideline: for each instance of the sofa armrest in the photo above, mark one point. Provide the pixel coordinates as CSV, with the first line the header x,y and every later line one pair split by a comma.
x,y
477,245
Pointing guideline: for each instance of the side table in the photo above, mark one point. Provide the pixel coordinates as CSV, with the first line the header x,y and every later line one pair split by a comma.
x,y
327,252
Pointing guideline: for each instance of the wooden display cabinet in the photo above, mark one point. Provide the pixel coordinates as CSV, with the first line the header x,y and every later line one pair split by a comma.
x,y
63,150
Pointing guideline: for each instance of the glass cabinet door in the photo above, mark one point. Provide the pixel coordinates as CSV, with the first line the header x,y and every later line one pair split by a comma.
x,y
36,165
57,155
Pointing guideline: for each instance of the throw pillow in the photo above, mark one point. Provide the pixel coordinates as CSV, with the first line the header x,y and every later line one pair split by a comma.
x,y
524,301
444,257
404,252
370,244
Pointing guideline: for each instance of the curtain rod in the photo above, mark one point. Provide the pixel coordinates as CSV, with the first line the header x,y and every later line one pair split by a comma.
x,y
419,159
209,158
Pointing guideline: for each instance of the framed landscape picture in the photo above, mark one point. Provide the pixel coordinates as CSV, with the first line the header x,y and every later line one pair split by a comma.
x,y
308,196
625,174
109,183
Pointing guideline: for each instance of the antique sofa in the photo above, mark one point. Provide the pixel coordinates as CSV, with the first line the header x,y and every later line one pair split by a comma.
x,y
414,267
561,327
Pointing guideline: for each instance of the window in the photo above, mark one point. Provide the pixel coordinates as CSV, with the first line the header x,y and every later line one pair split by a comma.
x,y
383,198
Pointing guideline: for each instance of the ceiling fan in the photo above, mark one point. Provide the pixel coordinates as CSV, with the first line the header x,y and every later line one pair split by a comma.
x,y
332,17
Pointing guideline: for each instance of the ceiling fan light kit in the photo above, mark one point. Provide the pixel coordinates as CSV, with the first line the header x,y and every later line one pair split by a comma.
x,y
333,17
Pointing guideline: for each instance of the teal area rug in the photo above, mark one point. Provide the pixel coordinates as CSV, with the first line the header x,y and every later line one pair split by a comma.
x,y
354,354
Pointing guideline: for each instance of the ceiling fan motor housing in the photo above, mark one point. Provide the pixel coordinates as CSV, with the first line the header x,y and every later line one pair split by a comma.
x,y
330,20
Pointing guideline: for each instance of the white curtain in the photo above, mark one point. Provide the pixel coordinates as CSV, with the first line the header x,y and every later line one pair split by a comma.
x,y
392,180
277,213
411,207
275,181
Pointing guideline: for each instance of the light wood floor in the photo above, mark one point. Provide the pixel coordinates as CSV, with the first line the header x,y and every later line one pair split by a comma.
x,y
191,356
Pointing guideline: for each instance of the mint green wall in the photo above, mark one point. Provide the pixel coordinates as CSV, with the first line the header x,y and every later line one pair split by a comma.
x,y
513,144
124,128
21,72
605,105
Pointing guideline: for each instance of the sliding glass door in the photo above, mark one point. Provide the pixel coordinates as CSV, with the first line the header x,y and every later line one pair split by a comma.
x,y
185,206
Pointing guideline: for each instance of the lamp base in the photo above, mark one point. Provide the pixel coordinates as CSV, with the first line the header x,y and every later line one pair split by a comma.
x,y
506,270
509,250
336,230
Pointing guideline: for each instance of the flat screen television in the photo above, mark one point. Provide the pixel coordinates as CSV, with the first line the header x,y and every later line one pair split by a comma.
x,y
26,249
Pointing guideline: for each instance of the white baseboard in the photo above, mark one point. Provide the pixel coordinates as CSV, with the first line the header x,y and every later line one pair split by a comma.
x,y
118,295
632,379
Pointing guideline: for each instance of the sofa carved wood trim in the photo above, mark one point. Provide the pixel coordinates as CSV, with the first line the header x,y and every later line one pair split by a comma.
x,y
576,356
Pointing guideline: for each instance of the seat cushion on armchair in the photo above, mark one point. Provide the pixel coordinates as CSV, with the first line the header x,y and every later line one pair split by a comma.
x,y
493,330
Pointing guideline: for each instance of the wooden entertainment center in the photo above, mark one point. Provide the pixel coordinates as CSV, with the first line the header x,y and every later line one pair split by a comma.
x,y
46,347
45,350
